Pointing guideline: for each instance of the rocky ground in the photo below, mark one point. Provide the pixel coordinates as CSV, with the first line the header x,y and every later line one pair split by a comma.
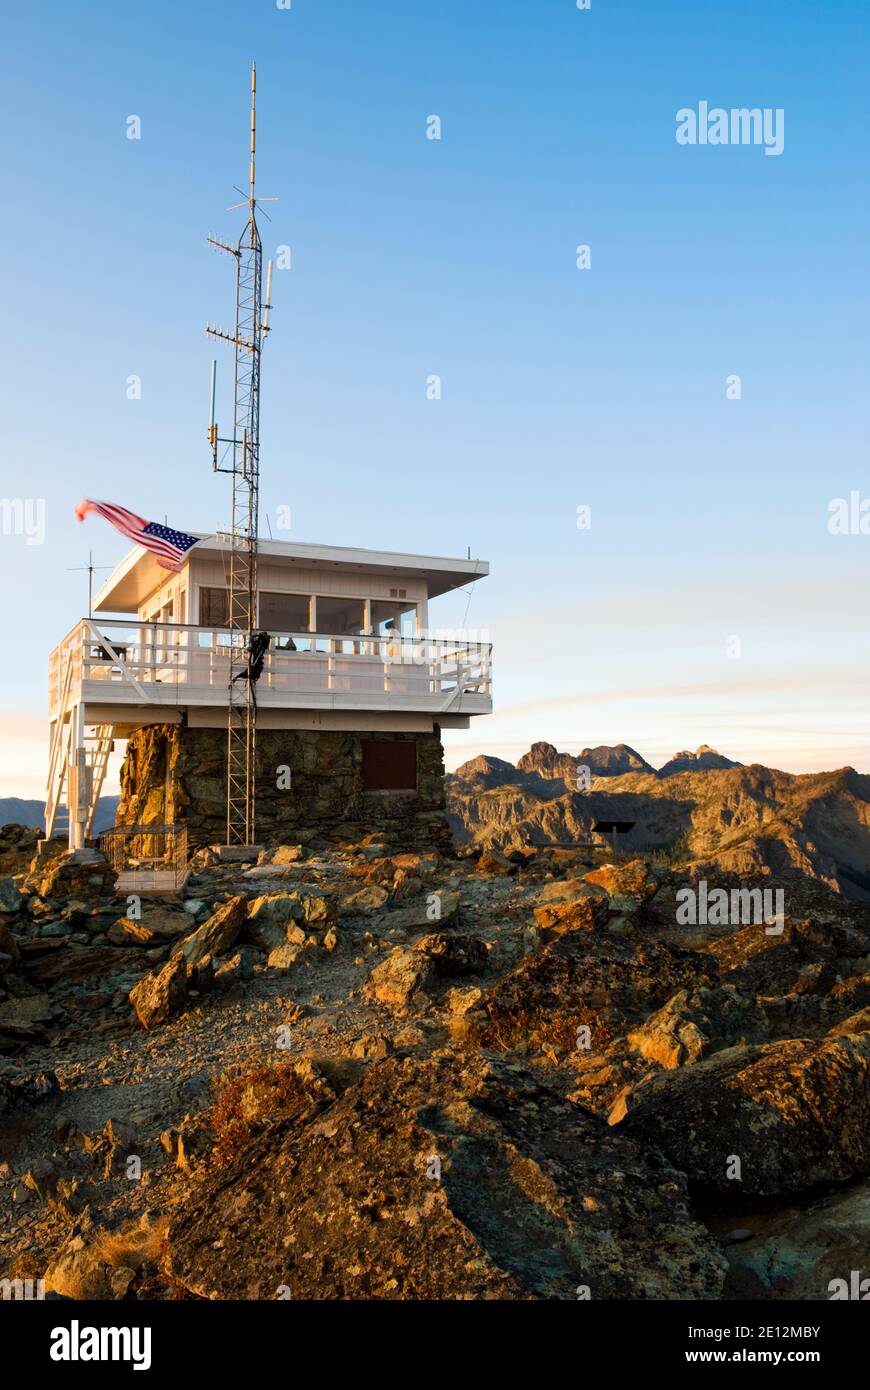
x,y
360,1073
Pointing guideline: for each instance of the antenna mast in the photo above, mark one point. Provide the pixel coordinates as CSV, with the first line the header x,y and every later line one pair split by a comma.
x,y
243,464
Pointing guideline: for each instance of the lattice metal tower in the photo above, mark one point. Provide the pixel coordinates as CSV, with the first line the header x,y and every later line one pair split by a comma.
x,y
241,459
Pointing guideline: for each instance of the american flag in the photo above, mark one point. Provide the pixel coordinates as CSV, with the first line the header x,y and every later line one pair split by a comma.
x,y
170,546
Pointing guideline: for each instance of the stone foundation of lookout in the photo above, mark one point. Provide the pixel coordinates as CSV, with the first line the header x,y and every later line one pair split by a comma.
x,y
343,786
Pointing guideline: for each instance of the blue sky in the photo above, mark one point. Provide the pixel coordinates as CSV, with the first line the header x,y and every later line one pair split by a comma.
x,y
561,388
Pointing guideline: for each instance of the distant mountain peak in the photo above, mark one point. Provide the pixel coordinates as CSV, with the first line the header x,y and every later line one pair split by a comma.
x,y
607,761
544,760
704,759
487,771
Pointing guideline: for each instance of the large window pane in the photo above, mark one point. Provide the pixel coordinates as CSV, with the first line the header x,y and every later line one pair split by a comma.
x,y
213,608
341,616
389,617
284,612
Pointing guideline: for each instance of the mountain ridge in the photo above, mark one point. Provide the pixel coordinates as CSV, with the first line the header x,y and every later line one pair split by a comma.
x,y
702,809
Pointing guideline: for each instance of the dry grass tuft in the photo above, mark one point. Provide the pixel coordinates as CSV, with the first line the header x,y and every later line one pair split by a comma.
x,y
250,1101
133,1246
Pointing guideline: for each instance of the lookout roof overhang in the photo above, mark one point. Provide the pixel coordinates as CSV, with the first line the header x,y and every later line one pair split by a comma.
x,y
138,574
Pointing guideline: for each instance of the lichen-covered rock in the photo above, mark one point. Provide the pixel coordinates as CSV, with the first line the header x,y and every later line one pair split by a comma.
x,y
287,854
454,955
693,1024
283,957
403,980
491,862
216,935
603,984
159,997
80,874
371,898
11,898
570,890
435,910
155,925
581,915
128,931
73,963
24,1016
795,1114
801,958
9,951
276,918
628,886
200,974
807,1252
443,1179
235,968
78,1272
17,847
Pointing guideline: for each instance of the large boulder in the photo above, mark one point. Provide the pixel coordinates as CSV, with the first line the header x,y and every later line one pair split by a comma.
x,y
277,918
695,1023
402,981
216,935
800,958
781,1118
443,1178
806,1252
11,898
159,997
628,886
79,874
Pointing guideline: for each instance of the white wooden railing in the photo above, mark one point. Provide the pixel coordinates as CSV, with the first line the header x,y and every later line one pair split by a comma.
x,y
143,656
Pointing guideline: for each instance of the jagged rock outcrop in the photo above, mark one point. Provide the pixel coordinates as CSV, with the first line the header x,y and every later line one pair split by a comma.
x,y
445,1178
772,1120
585,981
813,1251
216,935
695,1023
157,998
80,873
